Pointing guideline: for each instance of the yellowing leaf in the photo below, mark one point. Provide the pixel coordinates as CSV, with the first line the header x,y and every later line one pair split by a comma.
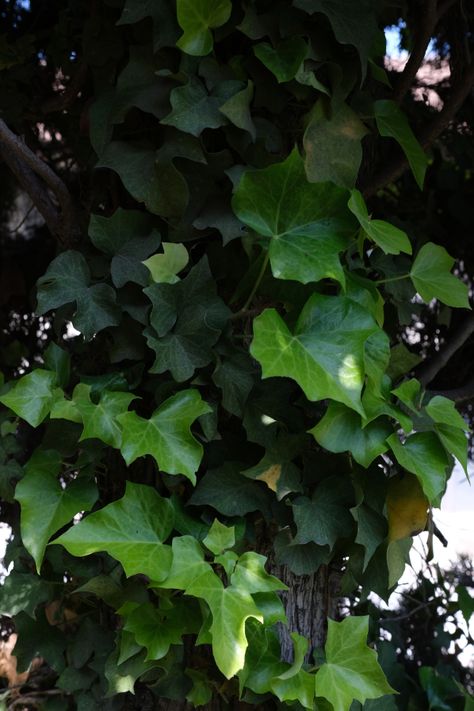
x,y
271,476
407,507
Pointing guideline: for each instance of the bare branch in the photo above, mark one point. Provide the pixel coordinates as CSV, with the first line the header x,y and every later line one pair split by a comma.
x,y
36,177
465,393
427,24
395,168
429,369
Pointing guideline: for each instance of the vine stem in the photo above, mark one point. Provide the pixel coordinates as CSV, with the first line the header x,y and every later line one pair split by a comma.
x,y
260,276
397,278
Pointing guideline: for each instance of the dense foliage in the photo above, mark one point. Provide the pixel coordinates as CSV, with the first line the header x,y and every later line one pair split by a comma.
x,y
247,243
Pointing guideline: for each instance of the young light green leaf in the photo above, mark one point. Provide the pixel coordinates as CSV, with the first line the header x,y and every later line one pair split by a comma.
x,y
33,396
340,430
392,122
423,455
285,59
220,537
333,144
388,237
100,421
196,18
409,393
131,530
351,671
165,267
46,506
250,575
432,278
166,436
325,354
309,224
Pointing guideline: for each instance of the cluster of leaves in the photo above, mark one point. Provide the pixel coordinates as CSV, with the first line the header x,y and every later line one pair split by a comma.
x,y
235,387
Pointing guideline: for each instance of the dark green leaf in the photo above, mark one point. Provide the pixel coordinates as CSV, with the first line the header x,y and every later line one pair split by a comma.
x,y
432,278
285,60
325,517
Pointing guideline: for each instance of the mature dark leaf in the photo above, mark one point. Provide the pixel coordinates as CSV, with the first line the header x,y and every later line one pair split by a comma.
x,y
230,492
325,517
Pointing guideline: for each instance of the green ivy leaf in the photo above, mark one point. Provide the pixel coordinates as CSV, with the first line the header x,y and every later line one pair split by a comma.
x,y
67,281
220,537
423,455
46,506
131,530
325,517
165,267
100,421
351,671
409,393
324,354
285,59
353,24
340,430
230,493
165,26
193,109
250,575
33,396
450,427
128,237
302,559
333,144
432,278
237,110
196,18
308,225
22,592
392,122
166,436
186,319
371,529
388,237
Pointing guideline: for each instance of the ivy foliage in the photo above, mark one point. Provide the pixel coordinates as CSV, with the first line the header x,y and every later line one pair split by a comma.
x,y
235,387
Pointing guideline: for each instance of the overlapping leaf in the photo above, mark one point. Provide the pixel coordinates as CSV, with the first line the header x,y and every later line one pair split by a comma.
x,y
308,224
325,352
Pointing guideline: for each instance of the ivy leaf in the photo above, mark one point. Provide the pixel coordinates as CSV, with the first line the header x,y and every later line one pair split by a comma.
x,y
450,427
67,281
237,110
388,237
326,352
298,687
165,27
187,319
166,436
432,278
409,393
46,506
220,537
196,18
351,24
33,396
423,455
250,575
341,429
308,224
100,421
230,493
325,517
407,507
302,559
230,608
131,530
371,529
285,59
128,237
158,628
165,267
193,109
235,377
392,122
333,144
22,592
351,671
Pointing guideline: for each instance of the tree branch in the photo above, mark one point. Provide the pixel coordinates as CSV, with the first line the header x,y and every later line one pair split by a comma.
x,y
395,168
429,369
427,24
35,176
465,393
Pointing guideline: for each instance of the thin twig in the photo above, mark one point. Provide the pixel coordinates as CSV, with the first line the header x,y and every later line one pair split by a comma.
x,y
429,369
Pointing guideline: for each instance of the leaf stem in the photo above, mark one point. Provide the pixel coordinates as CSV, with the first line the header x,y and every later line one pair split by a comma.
x,y
256,285
397,278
